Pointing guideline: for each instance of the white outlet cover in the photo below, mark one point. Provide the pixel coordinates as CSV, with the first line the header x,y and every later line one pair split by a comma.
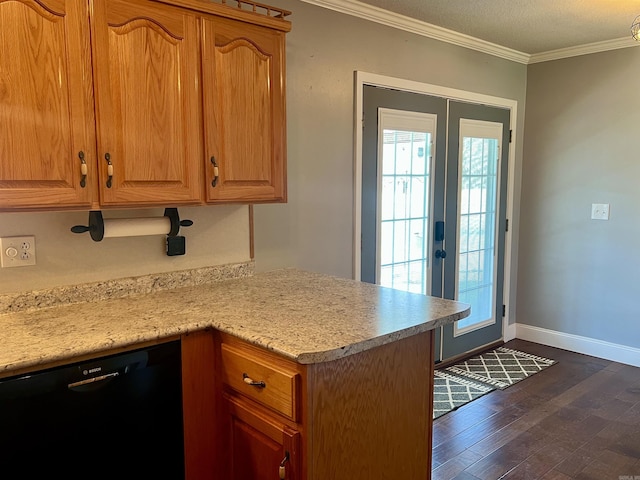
x,y
599,211
17,251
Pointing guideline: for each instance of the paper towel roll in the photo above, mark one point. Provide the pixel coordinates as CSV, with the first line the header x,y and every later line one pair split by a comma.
x,y
136,227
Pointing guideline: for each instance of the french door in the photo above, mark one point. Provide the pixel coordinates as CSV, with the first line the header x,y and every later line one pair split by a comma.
x,y
434,176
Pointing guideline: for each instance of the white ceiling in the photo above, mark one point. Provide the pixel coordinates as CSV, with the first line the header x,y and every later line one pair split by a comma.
x,y
524,29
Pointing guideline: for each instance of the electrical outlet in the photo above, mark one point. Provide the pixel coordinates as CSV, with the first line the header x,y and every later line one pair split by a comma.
x,y
17,251
599,211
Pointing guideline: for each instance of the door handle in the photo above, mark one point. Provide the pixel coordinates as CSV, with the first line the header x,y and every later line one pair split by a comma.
x,y
101,378
441,254
438,234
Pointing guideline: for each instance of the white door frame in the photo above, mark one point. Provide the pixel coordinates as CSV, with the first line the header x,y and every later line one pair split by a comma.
x,y
365,78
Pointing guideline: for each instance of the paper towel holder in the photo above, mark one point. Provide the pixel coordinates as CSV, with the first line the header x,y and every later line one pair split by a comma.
x,y
96,229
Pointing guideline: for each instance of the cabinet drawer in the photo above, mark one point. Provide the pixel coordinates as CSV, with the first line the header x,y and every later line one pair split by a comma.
x,y
274,385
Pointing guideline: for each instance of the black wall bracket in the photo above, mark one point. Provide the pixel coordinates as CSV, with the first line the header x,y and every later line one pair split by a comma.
x,y
175,243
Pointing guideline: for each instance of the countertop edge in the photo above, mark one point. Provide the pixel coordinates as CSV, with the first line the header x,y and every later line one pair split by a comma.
x,y
338,353
301,316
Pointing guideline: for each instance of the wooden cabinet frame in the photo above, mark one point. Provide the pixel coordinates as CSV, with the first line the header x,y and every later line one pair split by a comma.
x,y
367,415
46,106
245,134
160,116
147,90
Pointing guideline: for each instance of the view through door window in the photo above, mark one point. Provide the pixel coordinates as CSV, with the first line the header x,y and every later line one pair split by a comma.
x,y
404,210
477,218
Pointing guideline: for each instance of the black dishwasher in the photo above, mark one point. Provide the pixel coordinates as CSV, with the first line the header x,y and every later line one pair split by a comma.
x,y
115,417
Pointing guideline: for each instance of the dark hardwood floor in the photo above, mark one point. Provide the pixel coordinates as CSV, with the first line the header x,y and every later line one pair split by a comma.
x,y
578,419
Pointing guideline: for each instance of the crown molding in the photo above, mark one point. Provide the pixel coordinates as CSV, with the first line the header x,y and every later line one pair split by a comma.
x,y
390,19
596,47
384,17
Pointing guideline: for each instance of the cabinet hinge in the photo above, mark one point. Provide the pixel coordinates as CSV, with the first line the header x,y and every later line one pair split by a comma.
x,y
510,136
504,310
506,226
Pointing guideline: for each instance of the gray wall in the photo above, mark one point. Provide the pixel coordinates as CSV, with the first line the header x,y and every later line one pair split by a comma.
x,y
577,275
315,229
218,236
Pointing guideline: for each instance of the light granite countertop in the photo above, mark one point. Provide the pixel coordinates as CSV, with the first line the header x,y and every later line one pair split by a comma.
x,y
307,317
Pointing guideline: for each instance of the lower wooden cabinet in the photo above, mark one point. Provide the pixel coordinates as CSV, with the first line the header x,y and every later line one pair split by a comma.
x,y
236,435
259,416
258,446
366,415
199,406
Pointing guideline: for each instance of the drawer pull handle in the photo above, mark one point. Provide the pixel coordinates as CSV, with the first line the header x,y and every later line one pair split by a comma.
x,y
249,381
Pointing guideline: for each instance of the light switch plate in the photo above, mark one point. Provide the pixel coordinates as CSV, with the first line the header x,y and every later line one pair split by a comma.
x,y
17,251
599,211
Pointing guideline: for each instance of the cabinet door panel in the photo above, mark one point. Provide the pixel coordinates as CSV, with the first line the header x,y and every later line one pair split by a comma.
x,y
46,104
243,87
148,106
258,443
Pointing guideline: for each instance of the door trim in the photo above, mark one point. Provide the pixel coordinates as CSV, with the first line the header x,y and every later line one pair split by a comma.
x,y
373,79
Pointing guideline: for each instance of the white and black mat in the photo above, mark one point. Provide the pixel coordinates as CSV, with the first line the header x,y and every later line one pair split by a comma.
x,y
451,392
500,367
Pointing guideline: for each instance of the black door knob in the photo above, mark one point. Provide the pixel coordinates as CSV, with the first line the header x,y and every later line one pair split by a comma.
x,y
441,254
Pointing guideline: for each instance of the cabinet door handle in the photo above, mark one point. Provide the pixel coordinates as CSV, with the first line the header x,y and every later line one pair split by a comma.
x,y
249,381
107,157
83,169
282,472
214,182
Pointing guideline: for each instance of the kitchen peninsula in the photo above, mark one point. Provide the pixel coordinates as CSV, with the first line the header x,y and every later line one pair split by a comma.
x,y
314,376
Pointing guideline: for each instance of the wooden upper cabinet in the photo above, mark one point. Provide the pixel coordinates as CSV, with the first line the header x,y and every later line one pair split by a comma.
x,y
244,111
148,108
46,105
134,103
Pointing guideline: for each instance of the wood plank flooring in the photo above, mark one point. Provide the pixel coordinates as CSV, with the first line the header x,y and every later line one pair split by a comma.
x,y
578,419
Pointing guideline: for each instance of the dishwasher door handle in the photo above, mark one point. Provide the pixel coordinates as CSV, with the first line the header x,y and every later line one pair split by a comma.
x,y
88,381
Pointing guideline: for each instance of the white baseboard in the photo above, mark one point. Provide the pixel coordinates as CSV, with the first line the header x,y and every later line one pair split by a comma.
x,y
576,343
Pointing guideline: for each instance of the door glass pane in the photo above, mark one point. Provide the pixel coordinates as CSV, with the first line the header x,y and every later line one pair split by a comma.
x,y
478,199
405,193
